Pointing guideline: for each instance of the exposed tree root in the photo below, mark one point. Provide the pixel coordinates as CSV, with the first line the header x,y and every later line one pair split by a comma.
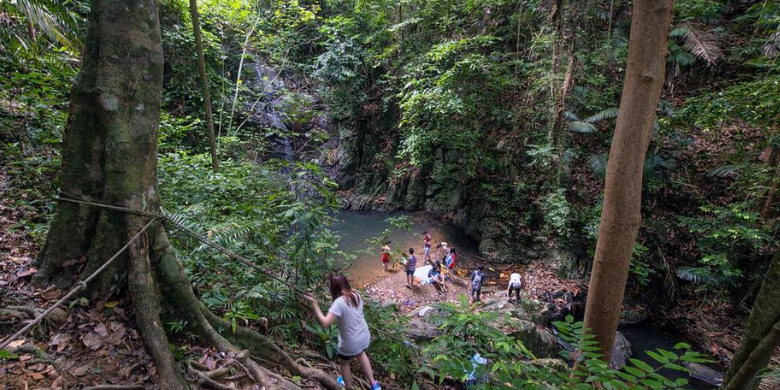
x,y
258,345
207,377
147,309
115,387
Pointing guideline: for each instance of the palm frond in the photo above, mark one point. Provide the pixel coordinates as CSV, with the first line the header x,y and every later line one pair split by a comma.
x,y
702,44
570,116
568,155
582,127
655,162
52,19
772,46
702,275
404,24
598,164
609,113
725,170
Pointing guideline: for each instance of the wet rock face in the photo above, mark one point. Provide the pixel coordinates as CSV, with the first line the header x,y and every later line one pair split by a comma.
x,y
522,325
540,341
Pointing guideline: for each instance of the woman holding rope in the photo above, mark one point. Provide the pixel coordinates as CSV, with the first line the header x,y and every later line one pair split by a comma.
x,y
354,337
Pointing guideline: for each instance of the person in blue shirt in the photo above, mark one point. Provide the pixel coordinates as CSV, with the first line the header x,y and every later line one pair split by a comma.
x,y
411,266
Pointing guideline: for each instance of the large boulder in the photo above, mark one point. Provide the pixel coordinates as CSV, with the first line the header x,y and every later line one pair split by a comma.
x,y
422,331
540,341
499,304
621,351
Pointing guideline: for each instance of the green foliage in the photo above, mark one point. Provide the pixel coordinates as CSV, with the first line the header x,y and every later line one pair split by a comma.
x,y
327,338
396,357
728,239
253,211
239,311
511,366
557,213
753,101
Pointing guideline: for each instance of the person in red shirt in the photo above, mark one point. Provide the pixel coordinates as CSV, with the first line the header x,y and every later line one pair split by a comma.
x,y
385,256
449,261
427,246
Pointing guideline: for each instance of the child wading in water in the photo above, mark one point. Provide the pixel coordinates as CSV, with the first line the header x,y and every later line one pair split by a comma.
x,y
354,337
411,266
477,278
427,247
385,256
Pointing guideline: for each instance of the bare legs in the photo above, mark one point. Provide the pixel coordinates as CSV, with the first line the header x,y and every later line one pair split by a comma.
x,y
346,373
365,364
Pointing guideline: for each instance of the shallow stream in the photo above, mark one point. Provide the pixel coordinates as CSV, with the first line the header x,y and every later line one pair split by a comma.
x,y
358,227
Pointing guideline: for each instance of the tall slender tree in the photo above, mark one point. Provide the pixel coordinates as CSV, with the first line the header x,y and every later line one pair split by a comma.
x,y
204,84
621,214
110,157
761,333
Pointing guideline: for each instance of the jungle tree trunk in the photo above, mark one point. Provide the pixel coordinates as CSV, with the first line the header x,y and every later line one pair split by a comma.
x,y
763,317
767,211
204,84
621,214
110,157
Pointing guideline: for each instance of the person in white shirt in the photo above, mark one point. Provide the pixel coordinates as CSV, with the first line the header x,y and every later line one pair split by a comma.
x,y
354,337
515,285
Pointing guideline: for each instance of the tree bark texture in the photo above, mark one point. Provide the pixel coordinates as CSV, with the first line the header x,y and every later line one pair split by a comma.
x,y
755,362
110,157
204,84
763,317
621,212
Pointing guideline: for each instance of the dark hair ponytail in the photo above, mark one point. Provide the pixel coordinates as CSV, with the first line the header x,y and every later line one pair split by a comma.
x,y
339,287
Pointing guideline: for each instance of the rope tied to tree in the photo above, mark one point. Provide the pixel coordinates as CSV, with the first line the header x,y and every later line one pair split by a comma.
x,y
81,285
219,248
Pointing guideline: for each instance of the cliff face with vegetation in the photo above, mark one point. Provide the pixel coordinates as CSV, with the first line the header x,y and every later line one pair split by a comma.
x,y
498,115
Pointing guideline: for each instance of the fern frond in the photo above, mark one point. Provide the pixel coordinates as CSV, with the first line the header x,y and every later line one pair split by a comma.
x,y
582,127
772,46
724,170
609,113
702,44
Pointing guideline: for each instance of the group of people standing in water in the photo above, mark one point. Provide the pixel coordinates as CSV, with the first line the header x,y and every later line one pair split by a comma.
x,y
442,262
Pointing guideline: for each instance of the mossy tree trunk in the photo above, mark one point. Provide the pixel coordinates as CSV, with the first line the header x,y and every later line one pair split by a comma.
x,y
750,357
110,157
621,213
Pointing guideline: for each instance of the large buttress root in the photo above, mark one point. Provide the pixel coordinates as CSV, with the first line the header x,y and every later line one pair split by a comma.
x,y
147,311
181,299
